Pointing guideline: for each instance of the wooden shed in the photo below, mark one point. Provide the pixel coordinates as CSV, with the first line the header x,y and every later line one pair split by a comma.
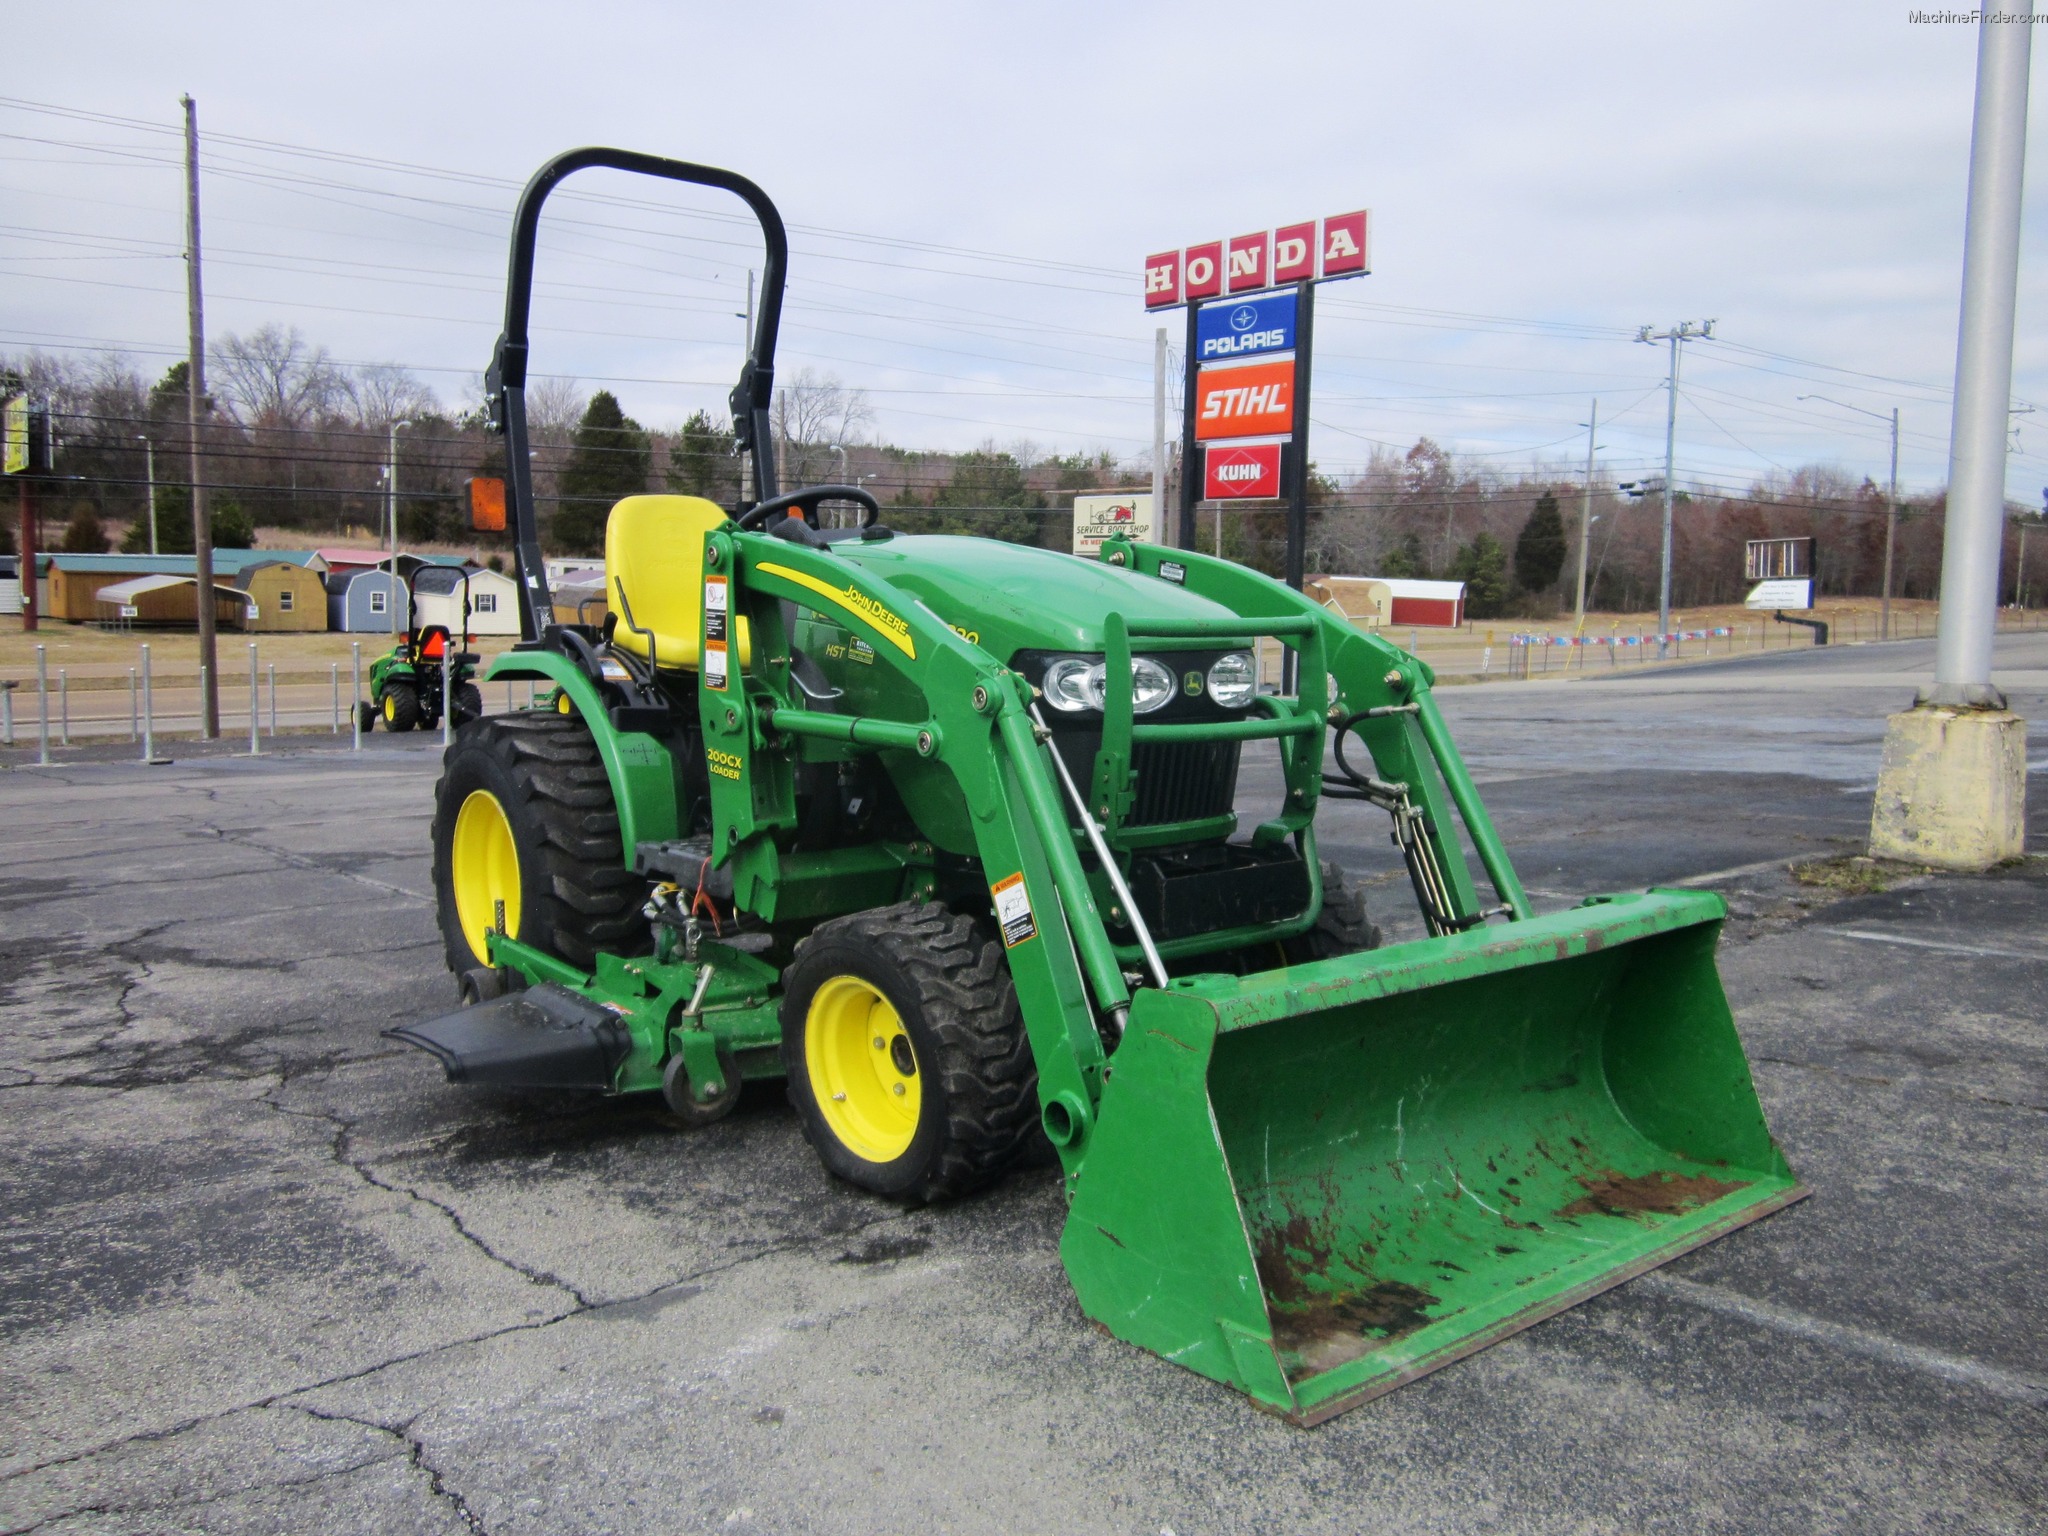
x,y
167,602
493,600
284,596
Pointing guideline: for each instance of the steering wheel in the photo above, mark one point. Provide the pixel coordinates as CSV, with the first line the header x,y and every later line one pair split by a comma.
x,y
806,501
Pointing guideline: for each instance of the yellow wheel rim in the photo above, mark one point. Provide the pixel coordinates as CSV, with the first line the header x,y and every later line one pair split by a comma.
x,y
483,865
564,705
390,707
862,1069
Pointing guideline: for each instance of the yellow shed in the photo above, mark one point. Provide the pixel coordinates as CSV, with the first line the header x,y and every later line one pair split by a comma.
x,y
285,596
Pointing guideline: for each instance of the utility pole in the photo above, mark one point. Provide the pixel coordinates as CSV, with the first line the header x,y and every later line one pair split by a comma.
x,y
1891,505
1952,787
1586,522
149,474
1685,330
195,404
1160,529
391,497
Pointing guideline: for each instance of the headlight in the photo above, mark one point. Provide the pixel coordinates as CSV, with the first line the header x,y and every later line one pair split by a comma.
x,y
1233,680
1151,685
1072,685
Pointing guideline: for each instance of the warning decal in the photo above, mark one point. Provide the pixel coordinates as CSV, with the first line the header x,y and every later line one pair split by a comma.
x,y
714,665
714,608
1013,911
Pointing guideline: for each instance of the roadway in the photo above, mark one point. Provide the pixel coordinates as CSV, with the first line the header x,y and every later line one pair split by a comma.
x,y
267,1272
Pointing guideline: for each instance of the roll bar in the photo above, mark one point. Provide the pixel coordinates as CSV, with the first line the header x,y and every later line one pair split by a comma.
x,y
505,382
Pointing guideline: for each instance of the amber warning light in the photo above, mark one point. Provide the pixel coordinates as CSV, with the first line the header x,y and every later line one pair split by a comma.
x,y
487,505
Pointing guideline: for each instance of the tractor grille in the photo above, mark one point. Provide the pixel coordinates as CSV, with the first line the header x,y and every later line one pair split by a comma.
x,y
1183,780
1176,780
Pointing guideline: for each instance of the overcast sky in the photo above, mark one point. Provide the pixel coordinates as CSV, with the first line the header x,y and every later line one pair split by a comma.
x,y
973,189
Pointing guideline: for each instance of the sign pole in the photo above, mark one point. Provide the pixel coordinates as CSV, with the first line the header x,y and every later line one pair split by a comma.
x,y
1190,465
28,557
1297,492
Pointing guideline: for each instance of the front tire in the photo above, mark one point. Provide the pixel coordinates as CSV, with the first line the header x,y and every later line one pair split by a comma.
x,y
1342,927
523,815
906,1053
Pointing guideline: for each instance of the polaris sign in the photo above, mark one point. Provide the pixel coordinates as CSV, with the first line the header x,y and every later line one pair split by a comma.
x,y
1264,324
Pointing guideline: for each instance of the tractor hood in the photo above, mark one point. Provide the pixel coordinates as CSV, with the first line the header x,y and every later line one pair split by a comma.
x,y
1008,598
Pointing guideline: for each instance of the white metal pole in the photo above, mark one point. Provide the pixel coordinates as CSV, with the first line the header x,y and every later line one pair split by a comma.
x,y
447,710
1670,459
1585,524
42,703
1891,530
1975,535
148,712
134,709
63,708
7,712
270,671
334,705
355,694
254,746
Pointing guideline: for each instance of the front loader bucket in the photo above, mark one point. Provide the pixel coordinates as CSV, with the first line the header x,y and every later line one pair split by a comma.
x,y
1321,1182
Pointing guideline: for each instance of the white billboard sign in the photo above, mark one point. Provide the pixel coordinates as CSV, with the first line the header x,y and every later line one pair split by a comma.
x,y
1782,592
1099,517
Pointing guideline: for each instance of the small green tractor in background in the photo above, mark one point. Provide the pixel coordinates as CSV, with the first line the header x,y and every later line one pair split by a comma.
x,y
409,682
946,835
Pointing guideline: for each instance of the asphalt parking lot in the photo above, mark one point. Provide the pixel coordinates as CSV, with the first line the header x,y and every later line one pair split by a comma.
x,y
265,1271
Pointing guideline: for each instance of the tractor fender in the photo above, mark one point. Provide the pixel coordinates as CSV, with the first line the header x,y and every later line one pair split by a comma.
x,y
643,771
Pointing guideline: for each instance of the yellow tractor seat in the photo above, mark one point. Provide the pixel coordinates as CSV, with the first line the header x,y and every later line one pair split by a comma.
x,y
654,549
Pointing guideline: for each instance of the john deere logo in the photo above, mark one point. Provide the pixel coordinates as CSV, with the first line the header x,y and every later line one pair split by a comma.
x,y
1191,685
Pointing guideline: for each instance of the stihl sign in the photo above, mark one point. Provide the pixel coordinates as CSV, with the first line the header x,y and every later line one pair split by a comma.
x,y
1254,400
1241,471
1293,253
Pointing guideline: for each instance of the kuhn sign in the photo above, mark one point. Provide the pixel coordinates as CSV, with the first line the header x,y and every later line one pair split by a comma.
x,y
1241,471
1293,253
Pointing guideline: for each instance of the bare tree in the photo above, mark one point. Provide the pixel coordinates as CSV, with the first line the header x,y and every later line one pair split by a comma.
x,y
812,412
554,404
274,377
383,392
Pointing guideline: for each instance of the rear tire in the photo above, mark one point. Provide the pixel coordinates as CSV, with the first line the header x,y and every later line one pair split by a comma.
x,y
366,716
541,834
401,707
935,988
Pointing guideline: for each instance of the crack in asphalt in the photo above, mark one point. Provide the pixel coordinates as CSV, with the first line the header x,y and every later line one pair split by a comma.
x,y
416,1455
283,1399
339,1150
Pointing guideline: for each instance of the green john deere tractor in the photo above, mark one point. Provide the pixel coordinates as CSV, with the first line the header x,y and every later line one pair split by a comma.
x,y
410,682
944,833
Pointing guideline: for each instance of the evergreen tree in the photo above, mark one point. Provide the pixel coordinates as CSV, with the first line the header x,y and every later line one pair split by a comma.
x,y
701,461
1483,566
1539,552
609,457
1405,559
173,524
233,528
83,535
988,483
